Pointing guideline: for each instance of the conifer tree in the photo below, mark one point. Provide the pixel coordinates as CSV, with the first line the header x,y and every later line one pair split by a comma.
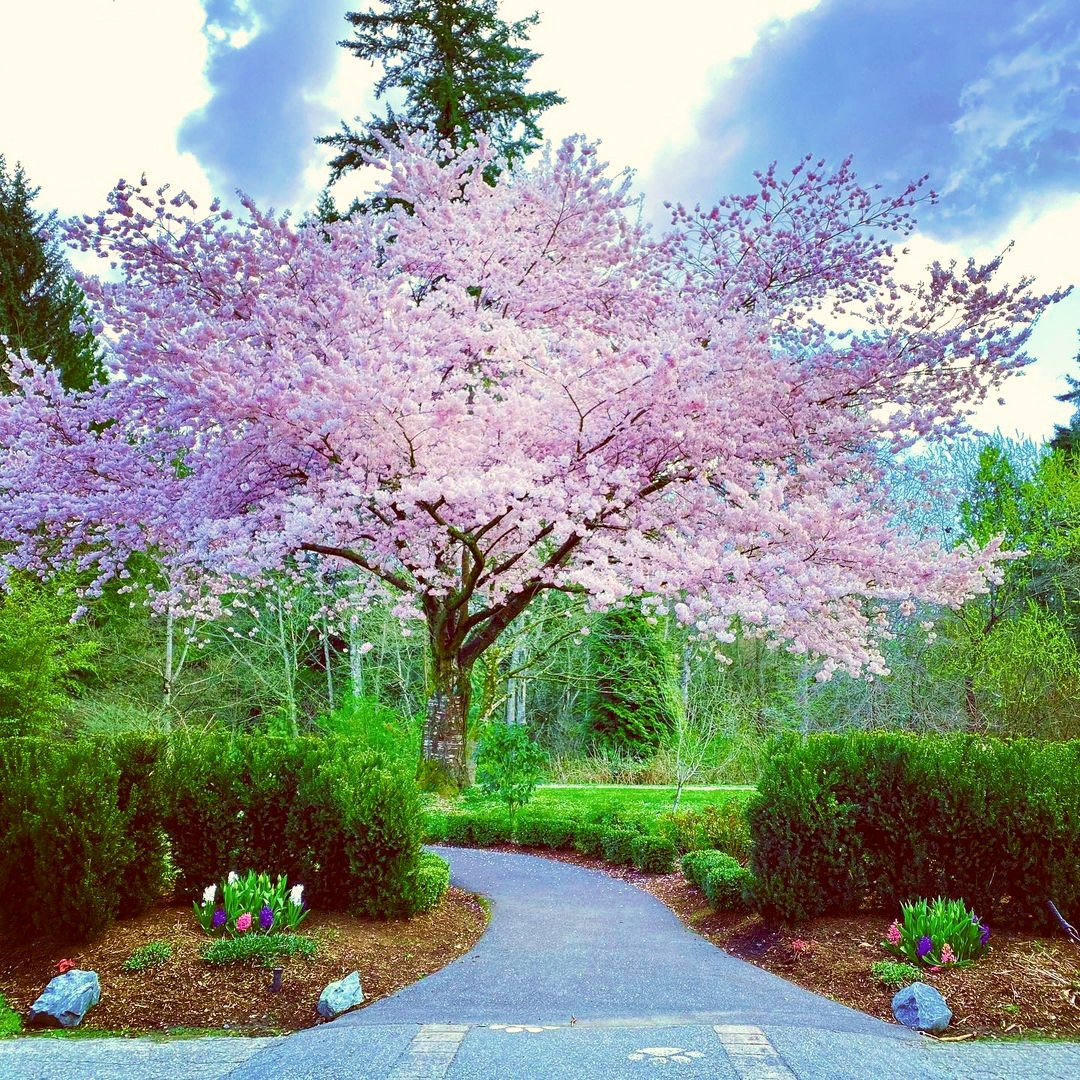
x,y
460,69
42,310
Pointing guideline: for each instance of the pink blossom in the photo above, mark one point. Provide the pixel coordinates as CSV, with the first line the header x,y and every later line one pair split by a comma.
x,y
947,954
243,922
892,935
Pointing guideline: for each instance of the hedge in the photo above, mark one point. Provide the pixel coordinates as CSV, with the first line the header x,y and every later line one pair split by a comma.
x,y
842,822
88,827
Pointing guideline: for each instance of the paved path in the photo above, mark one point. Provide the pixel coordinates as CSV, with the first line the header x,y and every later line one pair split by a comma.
x,y
579,976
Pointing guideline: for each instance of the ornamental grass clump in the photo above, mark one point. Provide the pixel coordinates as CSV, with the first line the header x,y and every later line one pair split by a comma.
x,y
251,904
937,934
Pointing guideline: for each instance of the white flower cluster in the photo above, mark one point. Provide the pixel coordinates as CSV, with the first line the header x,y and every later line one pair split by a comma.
x,y
296,894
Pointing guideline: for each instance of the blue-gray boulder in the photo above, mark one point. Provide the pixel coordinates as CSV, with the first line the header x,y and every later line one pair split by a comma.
x,y
921,1007
65,1001
340,996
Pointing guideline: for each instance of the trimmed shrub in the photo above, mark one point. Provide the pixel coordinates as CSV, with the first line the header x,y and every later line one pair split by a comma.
x,y
477,827
617,845
63,848
531,831
430,881
715,827
695,864
840,821
435,826
653,854
727,884
588,838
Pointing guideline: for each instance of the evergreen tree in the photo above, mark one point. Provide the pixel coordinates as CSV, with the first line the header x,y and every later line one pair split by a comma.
x,y
637,700
42,310
1067,439
461,70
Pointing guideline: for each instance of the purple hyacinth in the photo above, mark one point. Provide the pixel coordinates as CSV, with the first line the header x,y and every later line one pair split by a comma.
x,y
219,919
984,933
924,946
266,916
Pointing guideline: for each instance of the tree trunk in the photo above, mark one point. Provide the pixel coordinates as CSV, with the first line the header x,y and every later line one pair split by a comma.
x,y
444,762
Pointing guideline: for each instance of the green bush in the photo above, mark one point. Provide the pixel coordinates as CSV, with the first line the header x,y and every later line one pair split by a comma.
x,y
588,838
617,845
840,821
695,864
713,827
479,828
435,826
509,765
153,954
531,831
430,881
63,846
653,854
727,884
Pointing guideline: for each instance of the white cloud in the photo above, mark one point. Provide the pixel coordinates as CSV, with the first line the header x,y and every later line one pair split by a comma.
x,y
101,87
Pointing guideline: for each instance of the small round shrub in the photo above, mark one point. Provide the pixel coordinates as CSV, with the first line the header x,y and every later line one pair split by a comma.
x,y
588,838
653,854
430,881
696,864
728,884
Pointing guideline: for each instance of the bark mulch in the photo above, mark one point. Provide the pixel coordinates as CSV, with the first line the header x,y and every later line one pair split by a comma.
x,y
186,992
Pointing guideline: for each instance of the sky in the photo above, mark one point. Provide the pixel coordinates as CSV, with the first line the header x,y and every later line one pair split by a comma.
x,y
693,95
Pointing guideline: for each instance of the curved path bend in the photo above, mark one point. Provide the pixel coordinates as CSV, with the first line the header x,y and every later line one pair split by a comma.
x,y
579,976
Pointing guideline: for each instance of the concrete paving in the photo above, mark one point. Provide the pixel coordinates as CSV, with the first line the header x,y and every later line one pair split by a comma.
x,y
579,976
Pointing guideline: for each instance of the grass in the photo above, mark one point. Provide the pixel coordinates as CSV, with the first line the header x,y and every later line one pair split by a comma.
x,y
603,797
147,956
10,1022
267,948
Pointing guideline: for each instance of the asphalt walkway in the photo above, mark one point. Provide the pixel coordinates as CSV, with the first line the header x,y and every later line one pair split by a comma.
x,y
579,976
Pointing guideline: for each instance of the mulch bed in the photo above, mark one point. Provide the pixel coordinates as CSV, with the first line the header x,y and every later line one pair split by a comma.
x,y
186,992
1026,985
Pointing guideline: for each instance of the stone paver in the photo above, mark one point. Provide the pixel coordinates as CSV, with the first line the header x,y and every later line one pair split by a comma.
x,y
579,977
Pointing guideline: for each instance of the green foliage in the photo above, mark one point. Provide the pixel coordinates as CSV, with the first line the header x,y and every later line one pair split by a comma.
x,y
152,954
461,69
939,932
39,302
268,950
10,1021
479,827
369,723
653,854
509,765
588,838
431,879
893,973
719,827
67,850
636,701
727,884
43,656
617,845
841,821
532,831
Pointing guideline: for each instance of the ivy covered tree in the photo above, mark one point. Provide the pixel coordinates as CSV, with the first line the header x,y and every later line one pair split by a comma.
x,y
637,700
42,309
457,68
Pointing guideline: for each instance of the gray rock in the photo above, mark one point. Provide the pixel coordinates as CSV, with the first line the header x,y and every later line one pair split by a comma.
x,y
921,1007
340,996
65,1001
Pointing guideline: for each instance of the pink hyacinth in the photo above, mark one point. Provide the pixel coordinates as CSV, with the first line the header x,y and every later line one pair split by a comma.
x,y
947,955
892,935
243,922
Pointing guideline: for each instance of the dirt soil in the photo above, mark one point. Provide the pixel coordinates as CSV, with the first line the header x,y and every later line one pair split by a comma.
x,y
186,992
1026,985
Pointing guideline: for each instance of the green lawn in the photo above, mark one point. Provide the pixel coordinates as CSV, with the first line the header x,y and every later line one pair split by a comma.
x,y
633,797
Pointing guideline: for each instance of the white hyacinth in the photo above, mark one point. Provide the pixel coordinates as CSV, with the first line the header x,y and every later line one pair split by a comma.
x,y
233,877
295,893
209,893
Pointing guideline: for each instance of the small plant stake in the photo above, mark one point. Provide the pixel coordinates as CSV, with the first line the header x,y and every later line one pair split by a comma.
x,y
275,982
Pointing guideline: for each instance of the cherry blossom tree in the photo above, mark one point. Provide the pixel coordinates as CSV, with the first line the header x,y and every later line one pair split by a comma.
x,y
508,389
